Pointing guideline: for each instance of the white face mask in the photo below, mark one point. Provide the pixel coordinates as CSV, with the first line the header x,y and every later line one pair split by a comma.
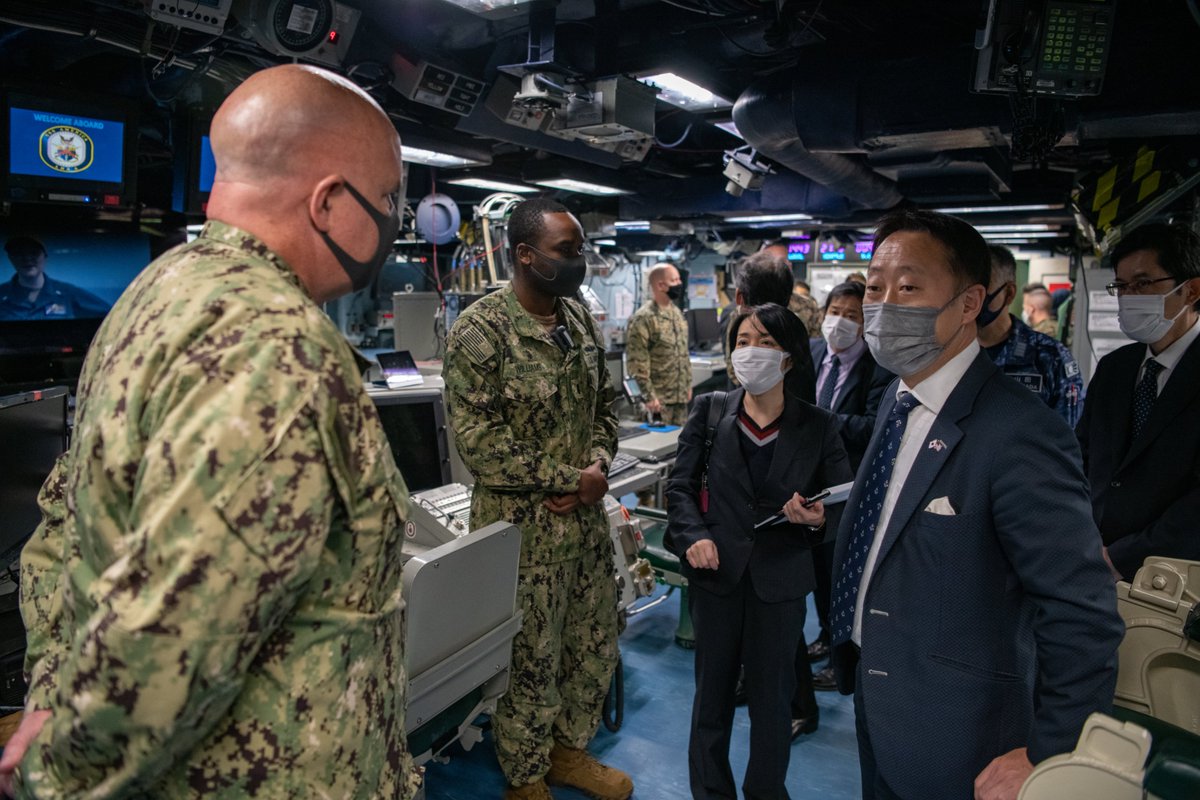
x,y
840,332
758,369
1143,317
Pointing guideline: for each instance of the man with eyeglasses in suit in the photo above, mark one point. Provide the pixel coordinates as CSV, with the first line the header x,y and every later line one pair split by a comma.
x,y
1140,430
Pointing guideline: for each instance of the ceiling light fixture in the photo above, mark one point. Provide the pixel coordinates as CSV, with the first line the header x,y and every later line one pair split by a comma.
x,y
1016,228
496,186
604,242
998,209
992,237
632,224
432,158
683,93
582,187
491,9
771,218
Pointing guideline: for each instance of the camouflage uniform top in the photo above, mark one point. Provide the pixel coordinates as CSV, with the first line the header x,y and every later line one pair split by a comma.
x,y
1048,326
1043,365
213,597
528,418
809,312
656,353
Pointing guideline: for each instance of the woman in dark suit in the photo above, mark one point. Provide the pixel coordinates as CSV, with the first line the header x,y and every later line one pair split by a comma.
x,y
769,450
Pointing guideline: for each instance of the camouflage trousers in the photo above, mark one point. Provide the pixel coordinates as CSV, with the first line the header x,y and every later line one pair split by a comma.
x,y
674,413
562,662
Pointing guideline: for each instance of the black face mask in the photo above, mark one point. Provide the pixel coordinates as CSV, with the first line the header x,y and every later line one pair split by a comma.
x,y
675,292
567,278
362,273
986,315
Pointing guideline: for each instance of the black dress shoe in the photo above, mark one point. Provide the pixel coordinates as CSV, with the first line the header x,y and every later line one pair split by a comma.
x,y
804,725
818,650
823,680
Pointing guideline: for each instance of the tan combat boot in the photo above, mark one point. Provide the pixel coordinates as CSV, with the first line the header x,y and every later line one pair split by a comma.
x,y
530,791
579,770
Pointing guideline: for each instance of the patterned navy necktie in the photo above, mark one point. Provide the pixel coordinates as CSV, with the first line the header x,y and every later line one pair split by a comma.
x,y
870,506
825,401
1144,396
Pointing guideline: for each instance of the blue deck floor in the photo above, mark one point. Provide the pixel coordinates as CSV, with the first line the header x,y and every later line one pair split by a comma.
x,y
652,743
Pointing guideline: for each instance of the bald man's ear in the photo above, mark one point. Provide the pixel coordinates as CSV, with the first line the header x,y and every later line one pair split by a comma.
x,y
320,202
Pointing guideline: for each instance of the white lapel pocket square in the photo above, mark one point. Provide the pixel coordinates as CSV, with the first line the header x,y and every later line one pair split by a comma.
x,y
941,506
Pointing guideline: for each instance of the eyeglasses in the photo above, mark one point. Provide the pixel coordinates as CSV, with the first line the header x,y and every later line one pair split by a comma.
x,y
1118,288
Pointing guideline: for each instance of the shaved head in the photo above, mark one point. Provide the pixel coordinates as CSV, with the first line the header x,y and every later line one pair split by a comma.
x,y
662,272
1040,301
281,123
293,145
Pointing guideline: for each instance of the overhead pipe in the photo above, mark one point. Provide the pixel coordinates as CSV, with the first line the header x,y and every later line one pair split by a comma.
x,y
766,115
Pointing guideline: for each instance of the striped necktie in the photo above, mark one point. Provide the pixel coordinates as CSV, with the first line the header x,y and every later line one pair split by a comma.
x,y
825,401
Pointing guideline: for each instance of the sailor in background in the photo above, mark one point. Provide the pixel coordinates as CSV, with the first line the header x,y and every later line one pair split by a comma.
x,y
656,348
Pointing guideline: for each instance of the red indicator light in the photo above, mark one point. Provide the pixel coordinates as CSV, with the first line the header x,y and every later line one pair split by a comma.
x,y
333,37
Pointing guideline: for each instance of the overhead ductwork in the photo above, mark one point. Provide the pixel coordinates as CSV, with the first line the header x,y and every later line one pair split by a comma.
x,y
912,129
768,116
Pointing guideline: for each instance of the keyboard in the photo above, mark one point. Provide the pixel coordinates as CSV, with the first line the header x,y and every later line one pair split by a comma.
x,y
452,503
622,462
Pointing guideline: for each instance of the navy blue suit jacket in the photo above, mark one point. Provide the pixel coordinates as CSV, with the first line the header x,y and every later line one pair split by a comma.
x,y
808,457
1145,493
993,628
859,400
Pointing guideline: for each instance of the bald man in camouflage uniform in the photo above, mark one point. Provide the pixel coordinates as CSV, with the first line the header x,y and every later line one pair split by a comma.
x,y
656,348
214,595
532,416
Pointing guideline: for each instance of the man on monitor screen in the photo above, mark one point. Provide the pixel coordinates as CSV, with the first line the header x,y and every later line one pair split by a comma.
x,y
31,295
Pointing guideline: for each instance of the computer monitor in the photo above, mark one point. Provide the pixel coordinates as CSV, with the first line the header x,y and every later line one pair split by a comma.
x,y
704,332
413,316
65,148
87,269
414,420
33,434
615,361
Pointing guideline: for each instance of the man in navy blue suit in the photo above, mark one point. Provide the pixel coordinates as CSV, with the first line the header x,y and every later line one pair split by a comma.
x,y
972,614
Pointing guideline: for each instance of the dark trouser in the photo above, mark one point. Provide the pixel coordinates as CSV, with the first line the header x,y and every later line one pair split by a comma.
x,y
873,785
804,698
731,630
823,569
